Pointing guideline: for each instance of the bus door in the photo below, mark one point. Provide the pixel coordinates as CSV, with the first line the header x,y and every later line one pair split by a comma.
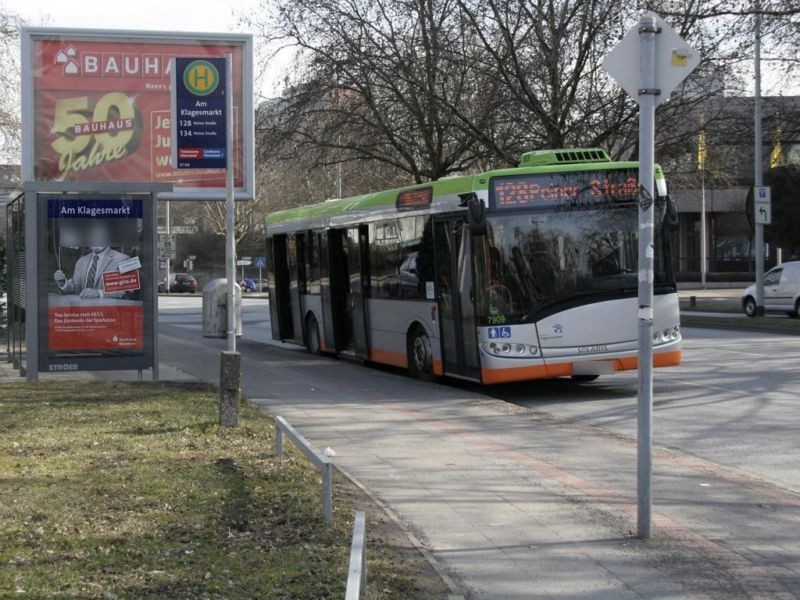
x,y
296,263
326,291
349,283
455,296
279,296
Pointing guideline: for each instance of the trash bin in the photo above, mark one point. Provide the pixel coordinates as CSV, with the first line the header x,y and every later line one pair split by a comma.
x,y
215,309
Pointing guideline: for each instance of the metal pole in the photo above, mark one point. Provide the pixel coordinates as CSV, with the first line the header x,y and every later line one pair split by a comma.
x,y
327,493
758,180
703,242
32,321
647,111
152,238
230,240
167,259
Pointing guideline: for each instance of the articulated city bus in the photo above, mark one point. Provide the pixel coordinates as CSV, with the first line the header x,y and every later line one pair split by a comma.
x,y
508,275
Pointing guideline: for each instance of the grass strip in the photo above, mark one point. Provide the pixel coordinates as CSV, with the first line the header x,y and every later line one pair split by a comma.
x,y
113,490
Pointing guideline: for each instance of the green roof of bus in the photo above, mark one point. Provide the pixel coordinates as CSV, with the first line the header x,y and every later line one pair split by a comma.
x,y
442,187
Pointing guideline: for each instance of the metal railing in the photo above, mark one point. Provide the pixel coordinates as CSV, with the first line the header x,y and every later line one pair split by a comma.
x,y
357,575
322,462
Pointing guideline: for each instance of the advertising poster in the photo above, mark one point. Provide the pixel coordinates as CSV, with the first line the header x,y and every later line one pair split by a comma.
x,y
101,111
95,275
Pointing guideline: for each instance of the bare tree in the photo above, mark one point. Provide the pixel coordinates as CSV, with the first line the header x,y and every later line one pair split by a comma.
x,y
10,124
379,82
247,216
432,87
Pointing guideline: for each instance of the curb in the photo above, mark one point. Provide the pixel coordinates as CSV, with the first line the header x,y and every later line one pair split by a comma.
x,y
758,324
454,591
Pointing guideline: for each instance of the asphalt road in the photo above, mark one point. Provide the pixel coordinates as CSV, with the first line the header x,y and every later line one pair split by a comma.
x,y
734,401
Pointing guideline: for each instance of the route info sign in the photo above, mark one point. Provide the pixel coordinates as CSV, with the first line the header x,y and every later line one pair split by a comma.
x,y
199,118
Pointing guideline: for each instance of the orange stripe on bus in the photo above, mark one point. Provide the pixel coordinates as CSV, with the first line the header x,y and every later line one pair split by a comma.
x,y
387,357
398,359
664,359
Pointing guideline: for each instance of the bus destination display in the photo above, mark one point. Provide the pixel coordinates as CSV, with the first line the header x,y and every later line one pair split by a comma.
x,y
574,189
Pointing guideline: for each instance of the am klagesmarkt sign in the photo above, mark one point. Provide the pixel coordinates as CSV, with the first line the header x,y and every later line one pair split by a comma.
x,y
200,113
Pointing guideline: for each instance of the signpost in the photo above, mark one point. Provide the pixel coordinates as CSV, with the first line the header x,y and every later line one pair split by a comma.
x,y
166,246
649,63
260,262
763,205
202,127
243,262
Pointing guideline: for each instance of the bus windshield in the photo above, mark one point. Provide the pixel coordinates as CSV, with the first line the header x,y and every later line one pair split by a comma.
x,y
529,261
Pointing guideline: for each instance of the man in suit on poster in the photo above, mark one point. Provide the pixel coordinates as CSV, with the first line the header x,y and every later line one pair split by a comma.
x,y
87,278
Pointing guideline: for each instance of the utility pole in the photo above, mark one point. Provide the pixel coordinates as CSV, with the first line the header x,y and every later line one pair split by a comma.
x,y
230,238
759,176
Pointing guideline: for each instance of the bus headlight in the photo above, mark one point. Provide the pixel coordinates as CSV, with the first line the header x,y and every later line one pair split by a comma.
x,y
656,337
511,350
676,333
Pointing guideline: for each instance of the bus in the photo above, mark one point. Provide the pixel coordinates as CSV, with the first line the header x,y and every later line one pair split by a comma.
x,y
508,275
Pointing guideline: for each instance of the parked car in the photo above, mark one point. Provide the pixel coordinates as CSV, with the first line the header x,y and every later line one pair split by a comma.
x,y
781,291
183,282
247,285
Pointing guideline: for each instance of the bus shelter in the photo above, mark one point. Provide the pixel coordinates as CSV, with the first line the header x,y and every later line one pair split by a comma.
x,y
83,289
98,134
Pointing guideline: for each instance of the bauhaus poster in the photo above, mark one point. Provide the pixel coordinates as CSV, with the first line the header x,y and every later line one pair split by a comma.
x,y
101,108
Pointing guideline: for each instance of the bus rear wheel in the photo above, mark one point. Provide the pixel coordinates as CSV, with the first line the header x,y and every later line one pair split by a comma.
x,y
312,335
420,355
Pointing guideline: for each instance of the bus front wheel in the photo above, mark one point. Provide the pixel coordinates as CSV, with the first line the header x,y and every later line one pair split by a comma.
x,y
312,335
420,355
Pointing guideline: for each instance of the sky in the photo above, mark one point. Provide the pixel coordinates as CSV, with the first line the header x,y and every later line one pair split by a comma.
x,y
207,16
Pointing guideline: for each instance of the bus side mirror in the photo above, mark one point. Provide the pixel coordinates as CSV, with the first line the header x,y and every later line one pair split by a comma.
x,y
671,216
476,213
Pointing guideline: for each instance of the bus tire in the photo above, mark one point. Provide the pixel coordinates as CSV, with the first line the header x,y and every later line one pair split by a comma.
x,y
584,378
312,335
420,355
749,306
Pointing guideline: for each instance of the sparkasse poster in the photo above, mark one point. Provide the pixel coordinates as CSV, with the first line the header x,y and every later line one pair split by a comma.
x,y
101,109
94,282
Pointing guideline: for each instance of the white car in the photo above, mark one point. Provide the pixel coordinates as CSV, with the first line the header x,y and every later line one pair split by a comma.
x,y
781,291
